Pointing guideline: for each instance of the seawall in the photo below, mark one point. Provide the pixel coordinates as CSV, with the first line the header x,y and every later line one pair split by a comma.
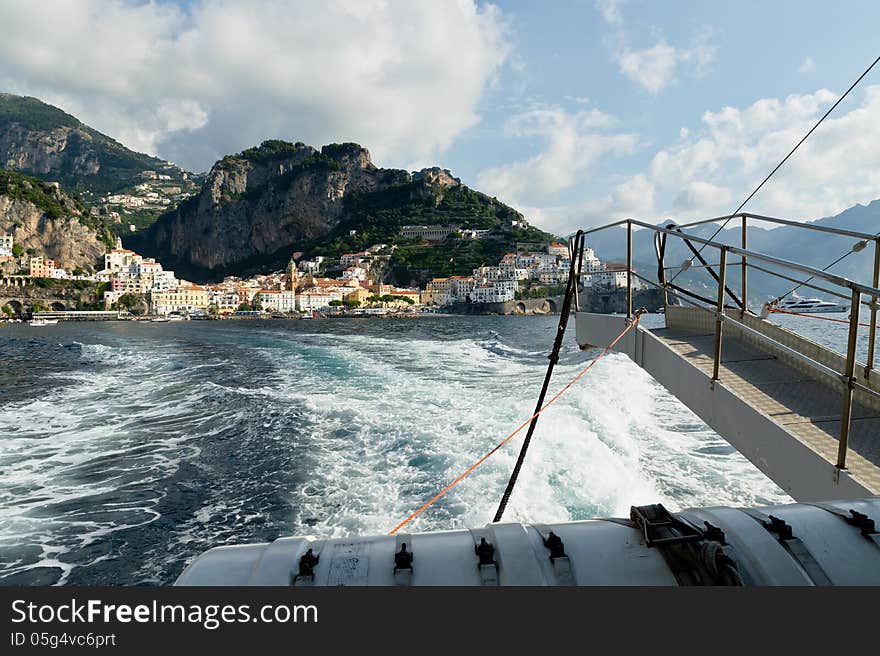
x,y
605,302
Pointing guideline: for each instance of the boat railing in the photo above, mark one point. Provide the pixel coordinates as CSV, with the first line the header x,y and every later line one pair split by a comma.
x,y
739,313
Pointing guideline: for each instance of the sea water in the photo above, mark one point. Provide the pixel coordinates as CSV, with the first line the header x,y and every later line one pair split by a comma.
x,y
126,449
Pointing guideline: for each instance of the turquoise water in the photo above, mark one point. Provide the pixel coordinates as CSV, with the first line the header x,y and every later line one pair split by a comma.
x,y
129,448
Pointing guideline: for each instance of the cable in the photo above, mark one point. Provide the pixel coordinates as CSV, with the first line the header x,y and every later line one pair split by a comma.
x,y
801,284
571,291
785,159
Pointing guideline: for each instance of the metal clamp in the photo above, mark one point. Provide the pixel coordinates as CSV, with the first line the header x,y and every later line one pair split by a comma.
x,y
659,527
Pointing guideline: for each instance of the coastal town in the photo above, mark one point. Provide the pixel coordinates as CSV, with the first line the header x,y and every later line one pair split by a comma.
x,y
138,286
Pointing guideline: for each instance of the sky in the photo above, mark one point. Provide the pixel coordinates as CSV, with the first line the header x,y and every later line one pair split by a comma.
x,y
576,112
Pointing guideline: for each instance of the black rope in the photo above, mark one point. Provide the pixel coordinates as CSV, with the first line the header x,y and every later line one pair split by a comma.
x,y
711,271
571,290
660,252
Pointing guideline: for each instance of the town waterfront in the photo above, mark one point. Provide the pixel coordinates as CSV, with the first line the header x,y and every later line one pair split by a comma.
x,y
130,447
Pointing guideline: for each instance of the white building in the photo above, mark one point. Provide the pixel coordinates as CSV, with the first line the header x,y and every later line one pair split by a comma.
x,y
311,266
427,232
308,301
5,245
352,259
461,287
438,292
494,292
273,300
164,280
354,273
557,249
225,301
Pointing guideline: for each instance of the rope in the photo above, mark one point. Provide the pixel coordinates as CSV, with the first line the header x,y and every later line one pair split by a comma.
x,y
813,316
571,291
498,446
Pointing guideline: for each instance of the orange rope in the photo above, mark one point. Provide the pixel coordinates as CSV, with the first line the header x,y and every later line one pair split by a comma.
x,y
518,429
814,316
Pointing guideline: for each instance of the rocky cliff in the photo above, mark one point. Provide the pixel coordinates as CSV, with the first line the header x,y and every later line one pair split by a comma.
x,y
43,220
257,206
44,141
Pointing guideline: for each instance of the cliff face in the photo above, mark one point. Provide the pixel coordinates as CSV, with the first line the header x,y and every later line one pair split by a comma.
x,y
44,220
63,150
257,206
42,140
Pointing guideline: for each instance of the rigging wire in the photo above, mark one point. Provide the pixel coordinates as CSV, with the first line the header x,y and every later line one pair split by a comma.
x,y
784,160
825,268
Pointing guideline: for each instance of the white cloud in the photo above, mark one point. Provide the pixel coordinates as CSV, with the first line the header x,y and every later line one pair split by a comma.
x,y
655,68
399,77
712,167
572,144
698,194
702,51
709,171
631,199
808,66
610,10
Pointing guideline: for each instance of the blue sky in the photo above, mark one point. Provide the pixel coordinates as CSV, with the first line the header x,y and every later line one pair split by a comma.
x,y
576,112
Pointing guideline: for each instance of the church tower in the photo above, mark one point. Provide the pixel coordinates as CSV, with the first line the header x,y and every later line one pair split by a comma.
x,y
292,276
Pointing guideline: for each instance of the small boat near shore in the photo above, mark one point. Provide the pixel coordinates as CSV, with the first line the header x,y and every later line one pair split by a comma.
x,y
42,322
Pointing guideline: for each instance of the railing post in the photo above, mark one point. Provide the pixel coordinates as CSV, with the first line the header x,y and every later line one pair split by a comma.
x,y
872,331
846,413
629,268
719,316
745,287
575,250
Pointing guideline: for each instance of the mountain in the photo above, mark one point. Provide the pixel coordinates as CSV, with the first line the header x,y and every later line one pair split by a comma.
x,y
43,220
258,206
42,140
809,247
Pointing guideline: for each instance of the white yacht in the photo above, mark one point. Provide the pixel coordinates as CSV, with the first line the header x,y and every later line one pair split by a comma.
x,y
800,304
42,322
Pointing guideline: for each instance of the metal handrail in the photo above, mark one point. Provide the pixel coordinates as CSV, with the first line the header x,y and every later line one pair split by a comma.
x,y
770,259
778,261
786,222
846,379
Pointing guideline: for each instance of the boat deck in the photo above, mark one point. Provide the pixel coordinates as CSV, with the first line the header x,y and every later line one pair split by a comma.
x,y
772,401
809,409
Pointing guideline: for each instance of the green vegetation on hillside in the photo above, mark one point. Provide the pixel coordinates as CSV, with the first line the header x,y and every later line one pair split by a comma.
x,y
50,200
117,165
33,190
33,114
378,217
